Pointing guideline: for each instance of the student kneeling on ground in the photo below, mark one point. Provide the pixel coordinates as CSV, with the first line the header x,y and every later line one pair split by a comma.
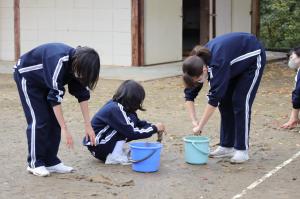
x,y
117,122
294,63
40,75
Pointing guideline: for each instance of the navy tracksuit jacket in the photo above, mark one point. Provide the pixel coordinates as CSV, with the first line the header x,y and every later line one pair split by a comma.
x,y
296,92
235,70
112,124
40,75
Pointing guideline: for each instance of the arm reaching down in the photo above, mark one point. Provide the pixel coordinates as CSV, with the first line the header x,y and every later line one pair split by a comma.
x,y
89,132
209,110
124,125
64,130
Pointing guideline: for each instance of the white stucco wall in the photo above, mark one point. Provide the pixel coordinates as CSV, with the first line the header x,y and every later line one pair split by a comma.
x,y
101,24
163,31
223,17
241,18
106,26
7,30
233,16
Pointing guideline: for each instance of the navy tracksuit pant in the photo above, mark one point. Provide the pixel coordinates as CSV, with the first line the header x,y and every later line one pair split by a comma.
x,y
235,106
101,151
43,131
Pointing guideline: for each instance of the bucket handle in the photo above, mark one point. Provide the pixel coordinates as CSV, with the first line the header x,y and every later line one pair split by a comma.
x,y
200,150
143,159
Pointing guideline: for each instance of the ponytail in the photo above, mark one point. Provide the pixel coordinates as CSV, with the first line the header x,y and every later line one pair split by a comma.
x,y
202,52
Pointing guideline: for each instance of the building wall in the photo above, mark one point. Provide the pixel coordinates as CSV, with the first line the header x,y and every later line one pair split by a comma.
x,y
233,16
241,18
106,26
163,31
223,17
7,30
102,24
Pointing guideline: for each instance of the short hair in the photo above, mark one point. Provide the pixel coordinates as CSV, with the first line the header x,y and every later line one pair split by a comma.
x,y
295,50
192,67
86,66
130,95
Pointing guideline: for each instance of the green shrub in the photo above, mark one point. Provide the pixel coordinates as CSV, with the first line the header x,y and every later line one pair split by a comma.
x,y
280,23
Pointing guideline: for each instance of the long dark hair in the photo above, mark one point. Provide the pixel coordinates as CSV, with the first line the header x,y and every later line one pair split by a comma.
x,y
193,65
86,66
131,95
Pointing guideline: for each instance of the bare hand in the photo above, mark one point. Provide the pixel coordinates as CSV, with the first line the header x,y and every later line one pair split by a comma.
x,y
160,131
89,133
68,138
292,123
160,127
195,123
197,130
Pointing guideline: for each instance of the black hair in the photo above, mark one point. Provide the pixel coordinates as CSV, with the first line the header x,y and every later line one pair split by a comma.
x,y
202,52
86,66
131,95
295,50
192,67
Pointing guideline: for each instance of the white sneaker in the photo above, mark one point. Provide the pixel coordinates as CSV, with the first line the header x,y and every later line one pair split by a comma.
x,y
117,159
222,152
240,156
39,171
60,168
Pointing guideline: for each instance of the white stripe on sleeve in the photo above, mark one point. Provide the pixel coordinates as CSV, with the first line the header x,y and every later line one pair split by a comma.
x,y
55,76
147,130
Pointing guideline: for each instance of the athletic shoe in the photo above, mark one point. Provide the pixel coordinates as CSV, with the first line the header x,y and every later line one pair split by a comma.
x,y
240,156
117,159
39,171
222,152
60,168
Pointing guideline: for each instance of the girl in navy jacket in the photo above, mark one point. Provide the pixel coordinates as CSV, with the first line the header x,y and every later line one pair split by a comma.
x,y
233,64
40,75
294,63
117,122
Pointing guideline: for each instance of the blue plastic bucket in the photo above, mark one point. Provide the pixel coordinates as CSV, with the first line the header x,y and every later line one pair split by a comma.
x,y
196,149
145,156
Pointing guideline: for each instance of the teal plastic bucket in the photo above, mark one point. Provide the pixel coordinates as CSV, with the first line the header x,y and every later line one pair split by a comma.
x,y
145,156
196,149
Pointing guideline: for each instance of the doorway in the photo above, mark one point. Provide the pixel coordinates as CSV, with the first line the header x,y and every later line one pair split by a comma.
x,y
190,25
195,14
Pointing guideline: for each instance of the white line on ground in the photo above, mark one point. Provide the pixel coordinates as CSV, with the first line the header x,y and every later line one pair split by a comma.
x,y
269,174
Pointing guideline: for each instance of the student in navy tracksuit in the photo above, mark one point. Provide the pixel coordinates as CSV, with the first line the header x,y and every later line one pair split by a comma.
x,y
294,63
117,122
233,64
40,75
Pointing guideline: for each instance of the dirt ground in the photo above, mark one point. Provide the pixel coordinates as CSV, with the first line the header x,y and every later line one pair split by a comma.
x,y
269,147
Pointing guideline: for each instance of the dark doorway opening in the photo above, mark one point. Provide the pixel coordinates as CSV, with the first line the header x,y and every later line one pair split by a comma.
x,y
190,25
195,23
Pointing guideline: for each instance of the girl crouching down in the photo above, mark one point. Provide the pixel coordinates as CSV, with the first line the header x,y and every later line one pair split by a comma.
x,y
117,122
